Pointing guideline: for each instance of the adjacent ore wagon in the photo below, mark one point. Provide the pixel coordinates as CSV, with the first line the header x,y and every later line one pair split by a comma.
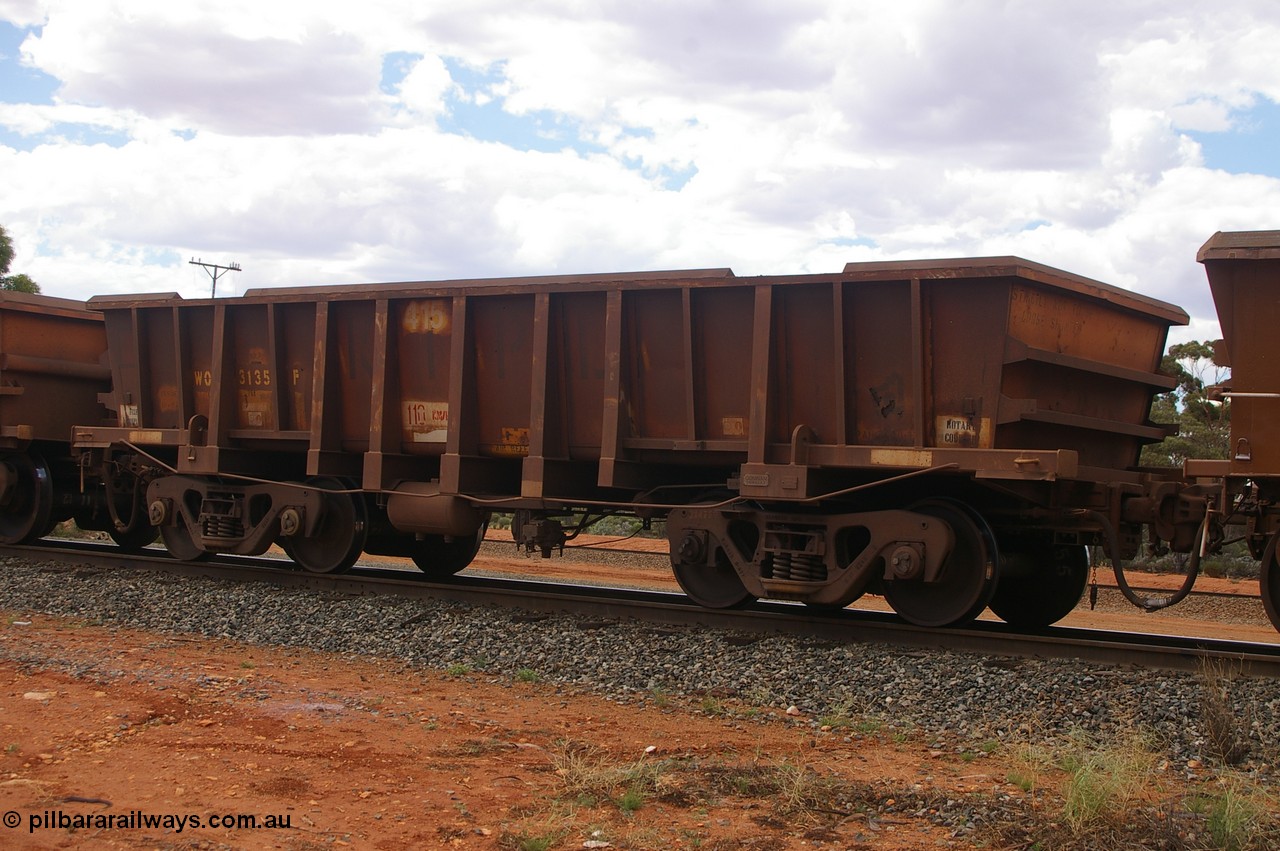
x,y
52,370
1244,275
948,433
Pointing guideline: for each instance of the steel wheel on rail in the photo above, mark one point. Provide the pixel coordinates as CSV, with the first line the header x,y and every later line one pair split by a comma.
x,y
26,498
128,506
439,558
1046,594
136,538
968,577
340,535
713,586
180,543
1269,581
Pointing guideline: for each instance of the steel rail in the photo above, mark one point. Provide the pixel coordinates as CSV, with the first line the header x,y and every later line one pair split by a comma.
x,y
604,605
581,550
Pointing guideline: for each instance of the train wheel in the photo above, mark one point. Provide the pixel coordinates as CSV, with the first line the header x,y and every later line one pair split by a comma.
x,y
127,503
180,544
27,501
967,580
1269,582
338,540
136,538
1046,595
439,559
715,587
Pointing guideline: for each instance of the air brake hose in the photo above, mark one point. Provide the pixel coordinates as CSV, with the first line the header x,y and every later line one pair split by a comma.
x,y
1151,604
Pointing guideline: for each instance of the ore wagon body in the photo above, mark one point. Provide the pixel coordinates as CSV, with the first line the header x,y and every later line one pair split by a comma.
x,y
1244,275
53,368
896,425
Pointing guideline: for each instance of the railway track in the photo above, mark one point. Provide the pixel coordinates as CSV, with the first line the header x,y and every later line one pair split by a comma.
x,y
601,606
588,551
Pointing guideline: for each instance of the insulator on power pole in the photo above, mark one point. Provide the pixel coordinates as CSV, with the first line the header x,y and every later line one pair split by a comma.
x,y
215,271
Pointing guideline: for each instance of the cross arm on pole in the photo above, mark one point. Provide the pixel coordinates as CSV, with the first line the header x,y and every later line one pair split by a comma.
x,y
215,271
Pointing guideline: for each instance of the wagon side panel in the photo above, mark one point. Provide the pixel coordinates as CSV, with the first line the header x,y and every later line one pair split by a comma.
x,y
51,369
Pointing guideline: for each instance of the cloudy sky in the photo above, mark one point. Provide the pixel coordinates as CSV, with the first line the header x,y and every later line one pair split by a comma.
x,y
332,142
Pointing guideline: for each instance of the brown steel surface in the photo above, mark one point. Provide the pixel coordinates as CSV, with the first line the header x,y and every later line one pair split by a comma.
x,y
1244,274
1016,267
423,332
50,368
572,387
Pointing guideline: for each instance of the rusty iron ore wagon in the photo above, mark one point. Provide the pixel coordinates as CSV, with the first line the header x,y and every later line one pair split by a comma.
x,y
1244,276
933,429
52,371
950,434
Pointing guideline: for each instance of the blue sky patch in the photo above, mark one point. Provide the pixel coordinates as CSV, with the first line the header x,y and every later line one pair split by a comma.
x,y
675,179
476,109
76,134
1252,146
20,83
9,139
395,67
479,113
